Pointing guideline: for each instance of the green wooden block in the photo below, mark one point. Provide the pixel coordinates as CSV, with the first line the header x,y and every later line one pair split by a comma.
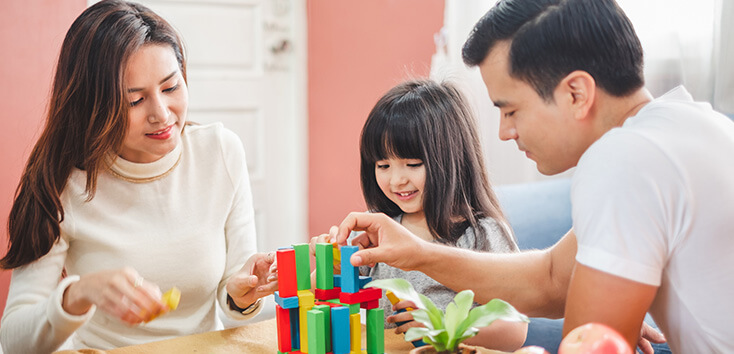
x,y
303,266
334,301
324,266
316,342
353,308
375,331
326,309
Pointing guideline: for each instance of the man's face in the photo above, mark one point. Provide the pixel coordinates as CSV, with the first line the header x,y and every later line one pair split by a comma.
x,y
543,130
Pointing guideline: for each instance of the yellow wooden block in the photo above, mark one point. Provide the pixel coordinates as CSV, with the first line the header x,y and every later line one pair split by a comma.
x,y
171,298
355,334
394,299
306,301
337,254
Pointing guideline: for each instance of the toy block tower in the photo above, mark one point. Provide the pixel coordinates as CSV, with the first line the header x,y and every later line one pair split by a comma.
x,y
326,320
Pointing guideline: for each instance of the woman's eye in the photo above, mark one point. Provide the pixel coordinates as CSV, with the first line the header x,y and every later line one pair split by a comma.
x,y
382,166
135,103
509,114
171,89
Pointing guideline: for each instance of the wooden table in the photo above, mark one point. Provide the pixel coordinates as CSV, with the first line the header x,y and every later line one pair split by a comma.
x,y
259,337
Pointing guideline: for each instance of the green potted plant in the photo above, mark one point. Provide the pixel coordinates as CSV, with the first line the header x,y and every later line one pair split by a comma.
x,y
445,331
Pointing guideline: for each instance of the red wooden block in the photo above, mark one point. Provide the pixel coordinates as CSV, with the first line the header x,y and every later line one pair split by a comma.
x,y
363,295
369,305
330,294
330,304
287,285
283,321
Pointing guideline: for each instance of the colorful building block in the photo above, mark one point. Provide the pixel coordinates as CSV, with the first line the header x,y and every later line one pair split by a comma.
x,y
337,280
324,266
363,295
355,334
287,285
322,294
375,331
283,321
286,302
369,305
316,342
305,304
303,266
349,273
295,332
327,323
340,330
363,280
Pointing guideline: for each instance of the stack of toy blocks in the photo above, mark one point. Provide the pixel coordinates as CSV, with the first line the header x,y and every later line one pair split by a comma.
x,y
328,319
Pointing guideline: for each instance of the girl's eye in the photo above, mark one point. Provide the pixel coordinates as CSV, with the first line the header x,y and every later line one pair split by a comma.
x,y
419,164
171,89
382,166
135,103
509,114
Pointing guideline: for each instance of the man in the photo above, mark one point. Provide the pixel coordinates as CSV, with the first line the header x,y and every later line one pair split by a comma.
x,y
651,194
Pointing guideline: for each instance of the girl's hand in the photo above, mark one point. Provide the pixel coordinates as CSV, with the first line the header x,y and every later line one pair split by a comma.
x,y
121,293
325,238
254,280
404,320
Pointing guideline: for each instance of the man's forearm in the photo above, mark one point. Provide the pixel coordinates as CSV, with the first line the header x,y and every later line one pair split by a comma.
x,y
535,282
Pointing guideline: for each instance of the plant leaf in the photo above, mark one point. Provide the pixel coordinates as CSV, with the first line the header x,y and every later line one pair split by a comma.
x,y
456,312
435,314
414,333
423,316
401,287
484,315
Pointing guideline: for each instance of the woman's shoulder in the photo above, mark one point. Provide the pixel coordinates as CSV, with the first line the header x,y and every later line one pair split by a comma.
x,y
215,132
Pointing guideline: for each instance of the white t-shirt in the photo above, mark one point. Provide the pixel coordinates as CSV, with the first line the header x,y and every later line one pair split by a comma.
x,y
192,228
653,202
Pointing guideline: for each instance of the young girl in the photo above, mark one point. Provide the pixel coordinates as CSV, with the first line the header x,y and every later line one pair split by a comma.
x,y
121,199
422,164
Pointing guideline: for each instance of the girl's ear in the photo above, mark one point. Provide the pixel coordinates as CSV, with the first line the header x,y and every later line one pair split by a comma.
x,y
578,91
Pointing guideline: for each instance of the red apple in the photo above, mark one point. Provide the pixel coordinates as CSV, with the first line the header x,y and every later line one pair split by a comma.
x,y
594,338
533,349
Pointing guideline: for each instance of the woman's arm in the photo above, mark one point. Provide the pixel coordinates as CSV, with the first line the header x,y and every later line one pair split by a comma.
x,y
501,335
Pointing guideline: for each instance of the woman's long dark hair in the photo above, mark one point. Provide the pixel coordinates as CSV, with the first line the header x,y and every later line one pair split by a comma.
x,y
87,118
430,121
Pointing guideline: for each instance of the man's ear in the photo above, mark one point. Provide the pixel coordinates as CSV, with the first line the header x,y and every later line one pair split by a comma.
x,y
578,90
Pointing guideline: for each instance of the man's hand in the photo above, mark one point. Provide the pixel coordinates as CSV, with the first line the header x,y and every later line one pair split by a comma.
x,y
383,240
253,281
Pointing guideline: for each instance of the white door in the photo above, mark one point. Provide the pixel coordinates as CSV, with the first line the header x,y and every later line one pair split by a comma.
x,y
247,69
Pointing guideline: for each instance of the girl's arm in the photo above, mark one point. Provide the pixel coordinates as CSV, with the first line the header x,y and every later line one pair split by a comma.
x,y
501,335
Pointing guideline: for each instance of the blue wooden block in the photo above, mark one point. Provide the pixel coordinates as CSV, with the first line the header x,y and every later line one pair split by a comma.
x,y
295,330
337,281
340,330
364,280
286,302
350,274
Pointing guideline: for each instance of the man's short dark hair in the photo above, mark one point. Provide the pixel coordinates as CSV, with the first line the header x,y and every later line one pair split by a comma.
x,y
552,38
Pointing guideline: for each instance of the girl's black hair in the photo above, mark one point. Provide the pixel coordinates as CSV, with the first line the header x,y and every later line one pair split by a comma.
x,y
430,121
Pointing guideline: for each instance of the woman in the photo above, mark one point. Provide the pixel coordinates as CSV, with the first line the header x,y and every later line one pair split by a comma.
x,y
120,199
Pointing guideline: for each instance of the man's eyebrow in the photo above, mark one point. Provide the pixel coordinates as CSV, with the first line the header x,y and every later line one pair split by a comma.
x,y
168,77
500,103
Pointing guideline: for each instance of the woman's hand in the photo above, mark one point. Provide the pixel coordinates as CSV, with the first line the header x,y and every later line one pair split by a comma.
x,y
121,293
254,280
403,319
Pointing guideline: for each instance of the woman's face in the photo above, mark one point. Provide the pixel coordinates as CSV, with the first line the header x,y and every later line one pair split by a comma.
x,y
158,99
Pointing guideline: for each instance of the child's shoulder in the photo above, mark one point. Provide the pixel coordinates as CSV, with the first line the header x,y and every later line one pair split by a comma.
x,y
494,235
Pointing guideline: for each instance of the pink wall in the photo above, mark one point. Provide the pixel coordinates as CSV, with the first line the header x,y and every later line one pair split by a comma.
x,y
357,51
31,33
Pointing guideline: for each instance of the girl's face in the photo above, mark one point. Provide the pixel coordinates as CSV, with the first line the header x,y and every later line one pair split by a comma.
x,y
402,181
158,99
